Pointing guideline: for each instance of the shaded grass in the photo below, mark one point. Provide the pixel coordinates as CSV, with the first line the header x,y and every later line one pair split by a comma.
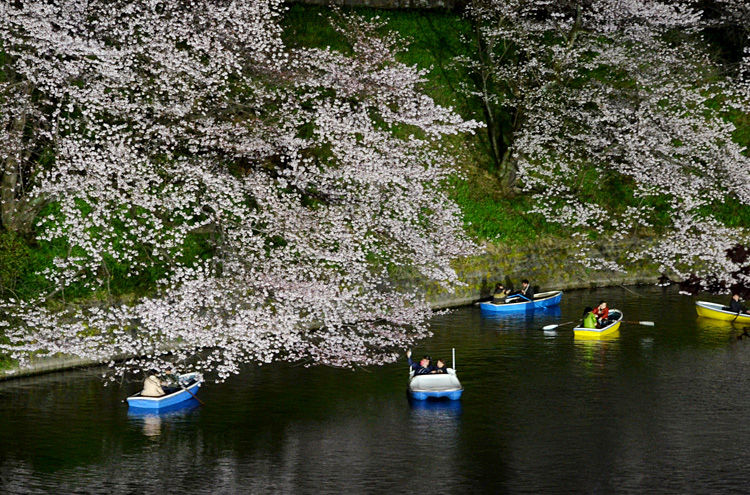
x,y
434,41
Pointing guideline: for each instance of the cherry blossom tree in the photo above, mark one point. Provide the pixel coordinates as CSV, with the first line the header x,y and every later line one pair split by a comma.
x,y
310,173
619,96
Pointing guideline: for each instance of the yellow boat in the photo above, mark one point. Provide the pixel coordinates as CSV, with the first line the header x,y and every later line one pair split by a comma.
x,y
718,311
608,331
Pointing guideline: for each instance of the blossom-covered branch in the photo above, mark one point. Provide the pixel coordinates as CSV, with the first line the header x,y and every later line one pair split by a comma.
x,y
621,97
311,173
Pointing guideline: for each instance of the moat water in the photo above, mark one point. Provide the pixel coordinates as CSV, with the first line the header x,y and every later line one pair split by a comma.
x,y
656,409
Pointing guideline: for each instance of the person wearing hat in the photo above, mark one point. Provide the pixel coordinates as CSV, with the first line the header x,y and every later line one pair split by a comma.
x,y
423,367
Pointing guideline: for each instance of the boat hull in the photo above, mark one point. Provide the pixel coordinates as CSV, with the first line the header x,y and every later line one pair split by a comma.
x,y
541,300
164,402
600,333
715,312
435,386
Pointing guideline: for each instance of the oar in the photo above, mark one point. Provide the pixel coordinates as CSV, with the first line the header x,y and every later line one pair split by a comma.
x,y
646,323
552,327
191,393
518,296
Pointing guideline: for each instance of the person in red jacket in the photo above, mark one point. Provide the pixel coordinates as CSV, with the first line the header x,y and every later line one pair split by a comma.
x,y
602,313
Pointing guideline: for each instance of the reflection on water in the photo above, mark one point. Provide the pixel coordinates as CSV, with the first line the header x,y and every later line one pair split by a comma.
x,y
719,331
594,354
650,410
152,421
435,408
522,319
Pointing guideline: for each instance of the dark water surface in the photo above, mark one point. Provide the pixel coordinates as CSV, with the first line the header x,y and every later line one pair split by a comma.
x,y
660,409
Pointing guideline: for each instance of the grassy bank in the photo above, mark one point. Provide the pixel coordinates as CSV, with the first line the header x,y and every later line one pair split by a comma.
x,y
434,41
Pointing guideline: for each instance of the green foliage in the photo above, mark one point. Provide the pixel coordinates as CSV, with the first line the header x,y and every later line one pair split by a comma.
x,y
731,213
434,40
490,215
22,261
14,263
742,123
306,26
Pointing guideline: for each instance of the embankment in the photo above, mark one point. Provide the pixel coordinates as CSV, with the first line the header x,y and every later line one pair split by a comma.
x,y
548,266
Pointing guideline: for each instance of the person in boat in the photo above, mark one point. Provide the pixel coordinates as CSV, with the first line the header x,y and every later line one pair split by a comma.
x,y
736,306
589,318
170,381
602,313
525,294
152,386
500,293
423,367
440,367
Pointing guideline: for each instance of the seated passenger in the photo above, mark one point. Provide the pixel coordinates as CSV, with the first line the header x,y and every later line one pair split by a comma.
x,y
440,367
602,313
500,294
525,294
171,382
527,290
152,386
423,367
589,319
736,306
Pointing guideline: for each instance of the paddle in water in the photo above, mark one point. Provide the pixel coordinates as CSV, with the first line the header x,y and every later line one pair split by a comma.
x,y
191,393
552,327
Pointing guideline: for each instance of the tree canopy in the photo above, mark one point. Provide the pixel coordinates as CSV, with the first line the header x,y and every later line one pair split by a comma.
x,y
310,172
133,131
619,102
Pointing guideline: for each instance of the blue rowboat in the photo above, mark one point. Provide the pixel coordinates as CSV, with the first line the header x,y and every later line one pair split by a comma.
x,y
435,385
518,304
189,385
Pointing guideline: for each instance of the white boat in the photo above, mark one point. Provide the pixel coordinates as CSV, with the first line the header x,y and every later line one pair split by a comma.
x,y
435,385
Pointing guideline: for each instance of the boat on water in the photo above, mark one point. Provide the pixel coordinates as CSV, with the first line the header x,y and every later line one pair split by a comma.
x,y
518,303
189,384
435,385
611,328
718,311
